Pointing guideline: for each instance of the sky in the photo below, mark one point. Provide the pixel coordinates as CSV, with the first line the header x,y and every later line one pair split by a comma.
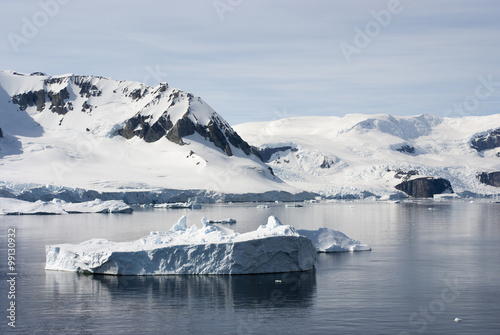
x,y
262,60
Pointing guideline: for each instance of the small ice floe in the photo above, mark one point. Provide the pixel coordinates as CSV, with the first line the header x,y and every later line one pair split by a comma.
x,y
225,221
329,240
58,206
458,320
179,205
262,206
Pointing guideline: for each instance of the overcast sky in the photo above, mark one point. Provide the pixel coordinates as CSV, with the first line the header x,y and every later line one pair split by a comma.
x,y
255,60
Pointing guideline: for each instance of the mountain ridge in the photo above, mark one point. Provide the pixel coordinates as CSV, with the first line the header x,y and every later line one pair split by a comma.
x,y
108,136
163,137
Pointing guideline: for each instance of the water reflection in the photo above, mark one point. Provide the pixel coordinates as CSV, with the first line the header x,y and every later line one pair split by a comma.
x,y
219,291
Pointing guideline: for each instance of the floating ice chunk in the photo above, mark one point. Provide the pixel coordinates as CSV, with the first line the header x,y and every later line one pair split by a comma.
x,y
57,206
329,240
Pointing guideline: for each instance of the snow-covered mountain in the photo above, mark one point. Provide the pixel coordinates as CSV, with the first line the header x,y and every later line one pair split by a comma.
x,y
98,133
374,153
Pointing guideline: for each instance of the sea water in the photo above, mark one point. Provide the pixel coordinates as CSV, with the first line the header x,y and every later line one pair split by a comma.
x,y
431,262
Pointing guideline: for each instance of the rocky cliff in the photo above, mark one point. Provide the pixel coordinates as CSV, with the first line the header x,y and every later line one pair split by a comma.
x,y
425,187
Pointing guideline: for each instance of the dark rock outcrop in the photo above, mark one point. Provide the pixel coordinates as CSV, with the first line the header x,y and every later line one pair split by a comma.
x,y
425,187
486,142
140,127
491,178
1,134
217,131
183,127
404,175
407,149
36,98
88,90
267,152
327,163
38,74
57,101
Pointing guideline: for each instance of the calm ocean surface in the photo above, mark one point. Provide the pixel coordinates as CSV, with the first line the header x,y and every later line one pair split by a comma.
x,y
431,262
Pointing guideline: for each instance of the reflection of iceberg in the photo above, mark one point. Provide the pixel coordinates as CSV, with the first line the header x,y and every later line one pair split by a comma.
x,y
210,250
75,303
171,292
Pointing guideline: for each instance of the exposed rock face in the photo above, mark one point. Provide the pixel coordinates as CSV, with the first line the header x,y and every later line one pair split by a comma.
x,y
266,153
139,126
327,163
491,178
36,98
407,149
425,187
57,101
1,134
183,127
404,175
486,142
217,131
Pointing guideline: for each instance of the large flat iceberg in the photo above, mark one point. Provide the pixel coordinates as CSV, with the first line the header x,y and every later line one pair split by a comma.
x,y
211,249
9,206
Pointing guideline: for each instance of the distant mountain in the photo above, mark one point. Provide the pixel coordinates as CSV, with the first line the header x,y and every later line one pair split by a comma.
x,y
372,154
74,135
99,133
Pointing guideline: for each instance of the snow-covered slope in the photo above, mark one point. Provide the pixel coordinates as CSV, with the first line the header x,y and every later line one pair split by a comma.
x,y
102,134
356,153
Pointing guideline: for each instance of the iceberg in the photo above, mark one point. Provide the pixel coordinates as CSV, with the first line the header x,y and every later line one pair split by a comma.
x,y
329,240
211,249
9,206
